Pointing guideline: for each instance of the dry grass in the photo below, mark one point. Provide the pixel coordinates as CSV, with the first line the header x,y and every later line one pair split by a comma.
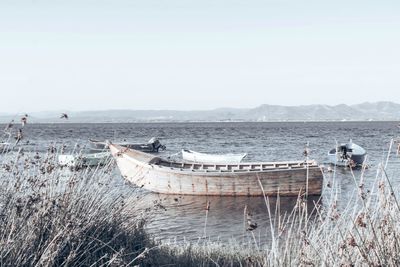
x,y
365,231
56,217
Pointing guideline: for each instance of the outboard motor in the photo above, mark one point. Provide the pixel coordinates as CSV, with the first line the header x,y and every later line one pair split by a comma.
x,y
156,145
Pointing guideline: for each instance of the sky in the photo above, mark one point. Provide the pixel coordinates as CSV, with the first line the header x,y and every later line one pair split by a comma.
x,y
184,54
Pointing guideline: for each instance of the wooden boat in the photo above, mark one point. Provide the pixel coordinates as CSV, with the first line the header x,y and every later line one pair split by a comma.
x,y
152,146
347,154
190,155
244,179
84,160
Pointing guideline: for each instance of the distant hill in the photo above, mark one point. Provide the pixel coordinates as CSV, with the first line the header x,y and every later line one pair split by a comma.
x,y
376,111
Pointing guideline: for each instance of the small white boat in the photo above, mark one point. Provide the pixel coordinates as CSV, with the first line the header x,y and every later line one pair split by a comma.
x,y
193,156
347,154
84,160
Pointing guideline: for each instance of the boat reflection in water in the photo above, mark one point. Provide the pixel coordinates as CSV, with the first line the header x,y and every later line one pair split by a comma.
x,y
179,218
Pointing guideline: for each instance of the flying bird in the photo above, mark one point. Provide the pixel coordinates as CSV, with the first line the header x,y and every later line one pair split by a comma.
x,y
64,116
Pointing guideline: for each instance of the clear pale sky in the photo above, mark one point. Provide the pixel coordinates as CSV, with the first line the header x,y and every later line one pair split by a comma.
x,y
183,54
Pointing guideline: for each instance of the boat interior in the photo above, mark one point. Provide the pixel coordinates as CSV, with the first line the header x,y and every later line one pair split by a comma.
x,y
241,167
204,167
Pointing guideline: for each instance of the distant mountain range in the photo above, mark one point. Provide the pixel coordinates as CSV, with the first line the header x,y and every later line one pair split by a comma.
x,y
376,111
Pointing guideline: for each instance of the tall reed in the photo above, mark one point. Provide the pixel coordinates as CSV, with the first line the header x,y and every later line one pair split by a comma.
x,y
52,216
365,231
56,217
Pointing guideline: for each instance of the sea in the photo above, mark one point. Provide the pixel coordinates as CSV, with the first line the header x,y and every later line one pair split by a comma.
x,y
185,218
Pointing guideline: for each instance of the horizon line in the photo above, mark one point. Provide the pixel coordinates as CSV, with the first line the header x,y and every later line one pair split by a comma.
x,y
187,110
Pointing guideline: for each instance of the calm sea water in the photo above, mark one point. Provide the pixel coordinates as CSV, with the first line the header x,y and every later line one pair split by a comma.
x,y
184,217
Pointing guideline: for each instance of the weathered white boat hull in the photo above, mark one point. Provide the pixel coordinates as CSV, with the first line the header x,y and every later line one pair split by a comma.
x,y
282,180
189,155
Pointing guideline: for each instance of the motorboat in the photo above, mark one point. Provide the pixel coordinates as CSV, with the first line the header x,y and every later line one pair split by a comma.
x,y
347,154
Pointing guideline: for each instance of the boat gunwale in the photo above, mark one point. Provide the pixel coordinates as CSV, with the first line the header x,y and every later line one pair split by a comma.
x,y
154,162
